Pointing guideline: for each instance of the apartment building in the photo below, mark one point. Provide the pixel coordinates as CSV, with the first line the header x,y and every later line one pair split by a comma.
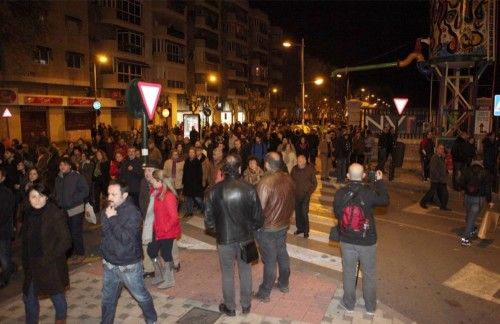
x,y
215,53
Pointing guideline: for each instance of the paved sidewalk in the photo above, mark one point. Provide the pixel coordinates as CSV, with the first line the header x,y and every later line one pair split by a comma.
x,y
313,298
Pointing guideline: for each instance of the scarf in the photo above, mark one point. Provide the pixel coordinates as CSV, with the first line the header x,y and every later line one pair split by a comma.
x,y
97,170
34,231
174,168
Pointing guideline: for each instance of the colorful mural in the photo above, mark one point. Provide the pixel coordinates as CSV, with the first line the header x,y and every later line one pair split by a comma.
x,y
462,28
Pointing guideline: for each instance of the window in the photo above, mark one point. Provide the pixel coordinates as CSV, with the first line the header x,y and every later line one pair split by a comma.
x,y
130,42
175,84
175,53
42,55
128,71
129,10
74,60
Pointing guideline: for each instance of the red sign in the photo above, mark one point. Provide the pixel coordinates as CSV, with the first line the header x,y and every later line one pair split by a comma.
x,y
150,93
7,96
80,101
32,100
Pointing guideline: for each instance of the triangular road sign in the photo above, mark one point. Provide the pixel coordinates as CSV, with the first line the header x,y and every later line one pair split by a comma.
x,y
7,113
400,104
150,93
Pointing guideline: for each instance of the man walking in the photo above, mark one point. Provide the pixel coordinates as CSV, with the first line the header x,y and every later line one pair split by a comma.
x,y
304,177
475,181
277,198
121,249
438,178
71,190
233,212
359,244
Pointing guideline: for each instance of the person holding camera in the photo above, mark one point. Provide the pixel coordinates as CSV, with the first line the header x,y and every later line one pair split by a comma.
x,y
353,207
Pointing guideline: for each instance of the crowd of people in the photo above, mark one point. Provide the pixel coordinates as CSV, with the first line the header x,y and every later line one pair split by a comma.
x,y
247,180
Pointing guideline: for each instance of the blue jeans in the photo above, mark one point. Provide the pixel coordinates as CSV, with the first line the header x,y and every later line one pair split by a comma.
x,y
272,247
130,276
473,206
228,253
302,214
190,201
366,256
6,259
32,307
341,169
75,224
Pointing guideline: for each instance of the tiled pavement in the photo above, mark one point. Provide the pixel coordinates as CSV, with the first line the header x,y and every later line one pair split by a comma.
x,y
313,298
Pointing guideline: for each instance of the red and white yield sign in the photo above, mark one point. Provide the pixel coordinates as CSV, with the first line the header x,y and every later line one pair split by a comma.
x,y
400,104
150,93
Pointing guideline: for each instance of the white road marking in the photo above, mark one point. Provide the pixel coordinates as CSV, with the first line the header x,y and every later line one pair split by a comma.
x,y
188,242
304,254
476,281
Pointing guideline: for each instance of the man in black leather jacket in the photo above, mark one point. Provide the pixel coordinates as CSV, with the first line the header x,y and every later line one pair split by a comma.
x,y
233,212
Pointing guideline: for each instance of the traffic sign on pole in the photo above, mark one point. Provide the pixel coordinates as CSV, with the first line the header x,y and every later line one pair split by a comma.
x,y
400,104
496,106
150,93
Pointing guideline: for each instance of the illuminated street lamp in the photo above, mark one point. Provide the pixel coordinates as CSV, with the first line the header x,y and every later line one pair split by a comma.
x,y
363,89
318,81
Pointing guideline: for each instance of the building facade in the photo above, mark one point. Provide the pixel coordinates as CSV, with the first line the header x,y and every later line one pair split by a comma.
x,y
206,54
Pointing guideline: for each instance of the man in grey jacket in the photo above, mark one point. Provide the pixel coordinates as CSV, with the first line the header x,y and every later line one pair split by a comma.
x,y
439,178
71,190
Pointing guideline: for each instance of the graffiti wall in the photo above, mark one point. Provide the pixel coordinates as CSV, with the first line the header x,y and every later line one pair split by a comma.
x,y
462,28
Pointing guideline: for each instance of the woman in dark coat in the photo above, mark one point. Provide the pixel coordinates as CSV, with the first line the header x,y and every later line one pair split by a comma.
x,y
192,181
46,239
100,178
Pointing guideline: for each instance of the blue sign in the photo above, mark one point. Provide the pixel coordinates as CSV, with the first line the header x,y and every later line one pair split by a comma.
x,y
496,106
96,105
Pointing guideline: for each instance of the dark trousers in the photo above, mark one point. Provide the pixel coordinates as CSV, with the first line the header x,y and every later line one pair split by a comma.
x,y
425,167
165,246
32,306
272,246
6,259
75,224
457,169
442,192
302,214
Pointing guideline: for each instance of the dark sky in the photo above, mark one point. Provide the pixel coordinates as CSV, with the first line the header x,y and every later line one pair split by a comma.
x,y
357,33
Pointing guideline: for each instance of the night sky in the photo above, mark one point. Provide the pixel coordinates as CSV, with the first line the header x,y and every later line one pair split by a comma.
x,y
357,33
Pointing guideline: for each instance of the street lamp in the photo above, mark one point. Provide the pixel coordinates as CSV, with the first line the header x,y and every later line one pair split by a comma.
x,y
302,84
318,81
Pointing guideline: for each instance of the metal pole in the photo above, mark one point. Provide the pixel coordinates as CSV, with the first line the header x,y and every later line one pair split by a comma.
x,y
144,151
95,96
302,83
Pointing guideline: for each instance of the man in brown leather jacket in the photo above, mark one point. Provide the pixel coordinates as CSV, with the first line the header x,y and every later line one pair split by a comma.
x,y
276,192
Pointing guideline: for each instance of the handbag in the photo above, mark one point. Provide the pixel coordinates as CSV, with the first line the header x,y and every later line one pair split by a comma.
x,y
249,252
90,214
334,233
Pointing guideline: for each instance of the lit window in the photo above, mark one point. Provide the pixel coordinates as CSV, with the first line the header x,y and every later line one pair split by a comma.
x,y
128,71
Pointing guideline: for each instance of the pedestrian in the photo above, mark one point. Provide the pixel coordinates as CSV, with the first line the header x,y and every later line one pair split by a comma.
x,y
71,190
100,178
174,168
131,172
254,172
114,167
192,182
7,210
121,248
144,205
303,148
358,243
325,154
438,176
154,152
385,146
304,177
289,156
342,152
258,148
233,212
476,183
426,152
370,145
46,239
166,228
276,192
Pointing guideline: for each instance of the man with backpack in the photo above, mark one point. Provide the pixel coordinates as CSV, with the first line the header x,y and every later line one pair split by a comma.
x,y
475,181
353,208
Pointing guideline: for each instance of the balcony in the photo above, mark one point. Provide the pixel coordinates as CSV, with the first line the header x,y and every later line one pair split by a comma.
x,y
207,23
236,57
175,32
236,75
109,16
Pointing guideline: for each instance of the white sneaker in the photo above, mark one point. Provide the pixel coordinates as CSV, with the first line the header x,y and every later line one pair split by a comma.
x,y
344,307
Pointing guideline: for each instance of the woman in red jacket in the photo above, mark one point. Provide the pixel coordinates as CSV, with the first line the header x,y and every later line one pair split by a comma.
x,y
166,227
114,168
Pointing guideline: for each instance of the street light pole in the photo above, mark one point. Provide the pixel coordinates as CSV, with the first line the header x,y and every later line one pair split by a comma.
x,y
303,85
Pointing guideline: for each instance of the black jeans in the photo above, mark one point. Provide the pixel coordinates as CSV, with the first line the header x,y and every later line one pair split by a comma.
x,y
442,193
302,214
75,224
165,246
